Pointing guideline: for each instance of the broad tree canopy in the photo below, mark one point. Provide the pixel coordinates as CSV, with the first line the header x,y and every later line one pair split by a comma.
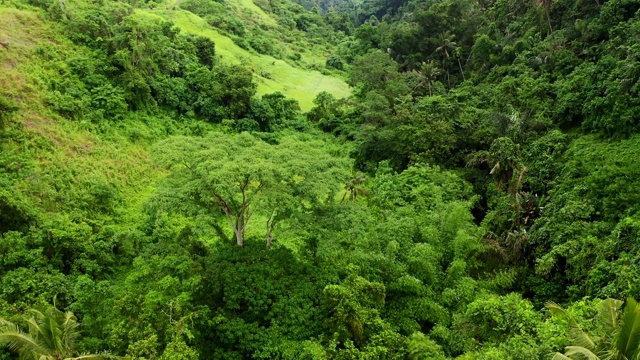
x,y
242,176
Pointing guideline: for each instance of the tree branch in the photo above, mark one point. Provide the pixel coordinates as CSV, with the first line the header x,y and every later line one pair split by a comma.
x,y
227,212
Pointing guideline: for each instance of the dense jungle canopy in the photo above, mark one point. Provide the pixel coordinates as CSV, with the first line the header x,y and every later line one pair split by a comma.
x,y
319,179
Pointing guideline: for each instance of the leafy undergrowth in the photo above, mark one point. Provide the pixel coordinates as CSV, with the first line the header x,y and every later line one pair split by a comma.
x,y
63,165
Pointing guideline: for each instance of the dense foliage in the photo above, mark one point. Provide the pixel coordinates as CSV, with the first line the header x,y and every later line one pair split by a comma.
x,y
154,206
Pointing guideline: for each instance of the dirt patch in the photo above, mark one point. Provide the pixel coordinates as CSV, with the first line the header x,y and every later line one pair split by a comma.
x,y
82,149
19,29
9,64
35,123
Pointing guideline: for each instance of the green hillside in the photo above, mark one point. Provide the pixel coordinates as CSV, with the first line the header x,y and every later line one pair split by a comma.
x,y
297,83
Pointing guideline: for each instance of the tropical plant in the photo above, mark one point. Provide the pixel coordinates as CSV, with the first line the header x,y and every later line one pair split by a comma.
x,y
335,62
353,187
617,336
447,47
457,53
429,73
51,335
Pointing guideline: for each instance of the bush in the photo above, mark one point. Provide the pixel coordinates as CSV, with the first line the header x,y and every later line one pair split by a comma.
x,y
334,62
262,45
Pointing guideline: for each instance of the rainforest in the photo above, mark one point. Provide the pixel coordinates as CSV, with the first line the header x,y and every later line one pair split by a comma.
x,y
320,179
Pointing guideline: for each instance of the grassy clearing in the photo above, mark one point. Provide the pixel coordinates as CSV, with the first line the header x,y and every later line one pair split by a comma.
x,y
271,74
20,32
257,14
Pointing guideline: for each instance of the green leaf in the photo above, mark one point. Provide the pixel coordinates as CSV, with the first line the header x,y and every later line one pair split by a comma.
x,y
628,338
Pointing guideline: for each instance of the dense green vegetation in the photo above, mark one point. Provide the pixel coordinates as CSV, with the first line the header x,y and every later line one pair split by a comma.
x,y
193,180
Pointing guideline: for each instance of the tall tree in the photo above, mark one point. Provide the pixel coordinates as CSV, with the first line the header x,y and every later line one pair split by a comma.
x,y
429,73
447,47
353,187
457,53
242,176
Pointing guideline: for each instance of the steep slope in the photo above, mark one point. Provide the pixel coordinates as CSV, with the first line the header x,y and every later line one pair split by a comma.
x,y
271,74
299,80
58,159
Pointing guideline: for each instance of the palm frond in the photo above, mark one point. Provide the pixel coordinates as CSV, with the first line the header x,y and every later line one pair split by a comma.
x,y
628,336
34,326
559,356
608,314
581,338
52,334
611,354
555,309
5,324
36,314
573,351
21,343
69,330
87,357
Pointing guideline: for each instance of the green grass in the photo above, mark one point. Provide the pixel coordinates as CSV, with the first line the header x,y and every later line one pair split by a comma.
x,y
57,149
258,15
299,84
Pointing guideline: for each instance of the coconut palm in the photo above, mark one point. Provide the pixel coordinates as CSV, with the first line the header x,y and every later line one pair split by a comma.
x,y
353,187
429,73
51,335
447,47
619,337
457,53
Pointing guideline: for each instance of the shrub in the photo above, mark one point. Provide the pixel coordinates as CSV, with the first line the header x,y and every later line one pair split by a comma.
x,y
335,62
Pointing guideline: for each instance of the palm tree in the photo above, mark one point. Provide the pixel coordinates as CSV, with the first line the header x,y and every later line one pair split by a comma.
x,y
457,52
430,73
619,337
352,187
51,335
447,48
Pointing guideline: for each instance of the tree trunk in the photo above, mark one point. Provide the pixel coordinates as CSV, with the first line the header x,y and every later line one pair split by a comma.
x,y
238,230
239,223
271,224
239,237
448,78
461,72
269,239
238,218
